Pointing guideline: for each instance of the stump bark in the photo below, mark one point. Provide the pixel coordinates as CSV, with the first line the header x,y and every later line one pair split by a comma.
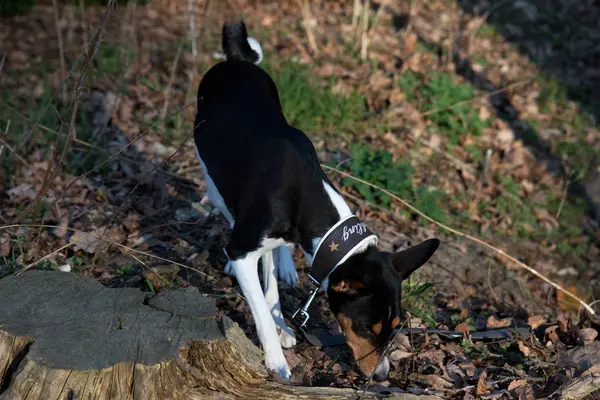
x,y
68,337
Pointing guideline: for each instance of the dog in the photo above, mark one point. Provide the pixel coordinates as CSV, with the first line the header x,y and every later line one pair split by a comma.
x,y
264,176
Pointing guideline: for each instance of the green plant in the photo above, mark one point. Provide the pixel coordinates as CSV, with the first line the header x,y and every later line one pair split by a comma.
x,y
553,94
417,298
309,105
110,60
428,202
377,167
446,102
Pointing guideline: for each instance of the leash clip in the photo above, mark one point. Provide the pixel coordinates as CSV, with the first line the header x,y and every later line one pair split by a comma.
x,y
304,310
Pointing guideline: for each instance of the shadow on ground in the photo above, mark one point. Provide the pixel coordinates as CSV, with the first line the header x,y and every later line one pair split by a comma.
x,y
561,37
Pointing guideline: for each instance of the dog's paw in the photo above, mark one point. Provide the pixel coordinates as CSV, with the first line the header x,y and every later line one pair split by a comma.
x,y
289,277
279,365
287,338
229,268
286,267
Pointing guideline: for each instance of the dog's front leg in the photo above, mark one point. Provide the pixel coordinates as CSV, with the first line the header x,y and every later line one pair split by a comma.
x,y
246,273
287,338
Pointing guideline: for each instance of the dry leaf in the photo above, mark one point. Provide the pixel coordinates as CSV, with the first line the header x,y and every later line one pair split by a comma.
x,y
566,302
588,335
152,277
516,384
535,320
524,349
62,229
563,322
88,242
482,386
493,323
398,355
593,370
5,245
462,327
411,40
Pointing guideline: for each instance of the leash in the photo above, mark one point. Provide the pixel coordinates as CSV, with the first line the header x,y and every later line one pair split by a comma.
x,y
323,338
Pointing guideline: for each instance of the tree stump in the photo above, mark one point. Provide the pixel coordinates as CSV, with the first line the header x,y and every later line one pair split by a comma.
x,y
68,337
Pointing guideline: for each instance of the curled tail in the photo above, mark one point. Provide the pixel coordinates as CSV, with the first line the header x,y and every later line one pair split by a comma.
x,y
238,46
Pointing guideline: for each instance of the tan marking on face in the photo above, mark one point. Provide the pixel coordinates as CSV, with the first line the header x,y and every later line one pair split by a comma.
x,y
363,350
345,284
395,322
377,327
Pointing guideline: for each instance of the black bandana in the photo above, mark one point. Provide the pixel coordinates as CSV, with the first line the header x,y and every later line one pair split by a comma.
x,y
338,244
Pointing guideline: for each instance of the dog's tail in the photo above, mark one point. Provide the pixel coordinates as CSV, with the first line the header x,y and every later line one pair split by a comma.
x,y
238,46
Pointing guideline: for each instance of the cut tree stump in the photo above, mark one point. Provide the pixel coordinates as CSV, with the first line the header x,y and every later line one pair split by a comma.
x,y
68,337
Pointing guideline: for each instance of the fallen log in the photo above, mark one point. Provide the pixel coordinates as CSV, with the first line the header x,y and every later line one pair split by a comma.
x,y
68,337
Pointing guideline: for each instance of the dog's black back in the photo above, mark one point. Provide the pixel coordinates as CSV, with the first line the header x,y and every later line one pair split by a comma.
x,y
282,194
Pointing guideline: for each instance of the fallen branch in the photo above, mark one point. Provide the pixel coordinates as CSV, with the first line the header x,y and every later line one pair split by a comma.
x,y
469,237
582,387
308,27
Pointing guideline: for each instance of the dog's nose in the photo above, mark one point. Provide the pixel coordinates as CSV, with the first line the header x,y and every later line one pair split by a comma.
x,y
382,371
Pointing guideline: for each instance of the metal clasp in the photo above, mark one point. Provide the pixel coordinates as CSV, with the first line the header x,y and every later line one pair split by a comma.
x,y
304,310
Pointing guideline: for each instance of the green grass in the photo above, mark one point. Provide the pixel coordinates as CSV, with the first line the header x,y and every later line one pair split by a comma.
x,y
309,105
437,92
379,168
23,112
111,60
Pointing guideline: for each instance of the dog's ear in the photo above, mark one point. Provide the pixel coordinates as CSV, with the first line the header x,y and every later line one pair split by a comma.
x,y
348,286
408,261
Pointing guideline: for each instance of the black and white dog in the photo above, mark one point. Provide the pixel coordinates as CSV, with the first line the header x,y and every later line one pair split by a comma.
x,y
264,176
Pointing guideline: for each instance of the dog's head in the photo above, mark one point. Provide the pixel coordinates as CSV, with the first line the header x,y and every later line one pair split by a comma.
x,y
364,295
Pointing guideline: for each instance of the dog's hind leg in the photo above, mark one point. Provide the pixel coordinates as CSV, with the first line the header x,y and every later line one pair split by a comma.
x,y
270,259
285,266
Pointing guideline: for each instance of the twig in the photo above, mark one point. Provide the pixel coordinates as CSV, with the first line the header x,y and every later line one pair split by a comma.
x,y
582,387
484,95
99,237
85,33
2,62
192,26
122,149
39,260
54,162
61,49
163,114
562,200
378,14
355,14
10,148
308,27
367,34
364,30
467,236
489,281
